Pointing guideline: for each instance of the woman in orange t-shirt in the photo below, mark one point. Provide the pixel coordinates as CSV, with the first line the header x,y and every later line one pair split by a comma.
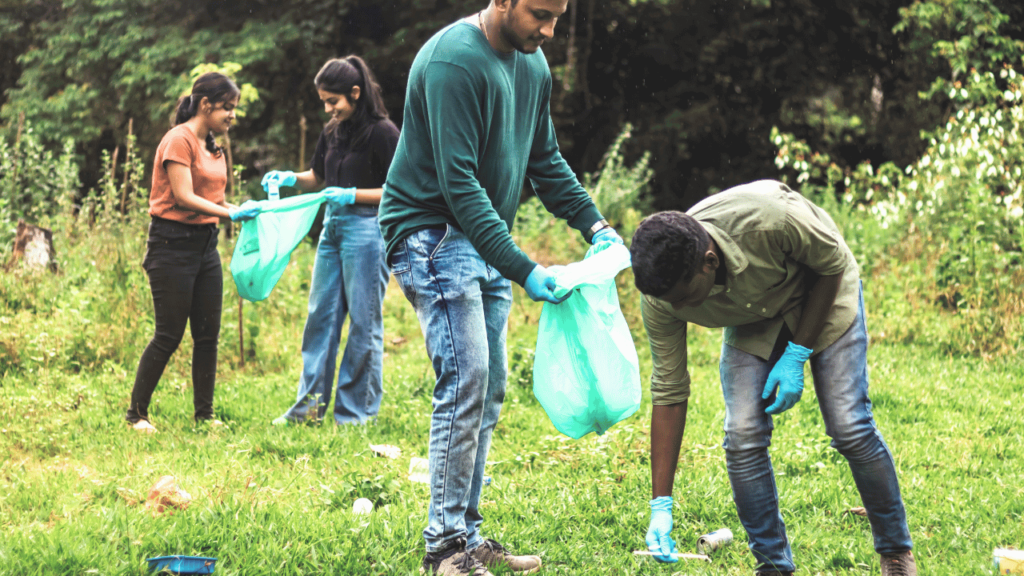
x,y
186,202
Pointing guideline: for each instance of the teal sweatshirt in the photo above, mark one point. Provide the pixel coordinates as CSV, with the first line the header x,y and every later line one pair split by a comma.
x,y
477,123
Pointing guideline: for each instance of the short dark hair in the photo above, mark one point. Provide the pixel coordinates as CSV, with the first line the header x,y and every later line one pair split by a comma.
x,y
667,247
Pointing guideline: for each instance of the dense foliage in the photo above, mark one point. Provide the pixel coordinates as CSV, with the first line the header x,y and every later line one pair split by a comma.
x,y
702,81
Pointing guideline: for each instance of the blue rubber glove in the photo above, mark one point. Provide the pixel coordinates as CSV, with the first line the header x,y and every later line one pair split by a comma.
x,y
658,539
540,286
788,375
280,177
606,235
247,211
340,196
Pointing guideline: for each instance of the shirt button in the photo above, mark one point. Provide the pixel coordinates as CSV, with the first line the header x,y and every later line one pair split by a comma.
x,y
764,309
748,305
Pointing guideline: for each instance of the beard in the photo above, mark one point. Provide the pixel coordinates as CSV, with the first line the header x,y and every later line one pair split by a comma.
x,y
520,44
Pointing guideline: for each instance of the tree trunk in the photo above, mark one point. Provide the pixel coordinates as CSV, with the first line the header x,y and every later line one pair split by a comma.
x,y
34,246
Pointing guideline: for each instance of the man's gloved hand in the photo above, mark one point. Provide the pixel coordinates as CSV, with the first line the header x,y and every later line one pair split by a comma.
x,y
658,539
279,177
340,196
540,286
247,211
788,375
606,235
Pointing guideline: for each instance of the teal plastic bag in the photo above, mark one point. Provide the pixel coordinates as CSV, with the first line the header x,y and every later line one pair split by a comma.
x,y
586,373
265,244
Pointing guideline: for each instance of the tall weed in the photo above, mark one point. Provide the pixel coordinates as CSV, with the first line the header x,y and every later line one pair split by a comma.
x,y
950,224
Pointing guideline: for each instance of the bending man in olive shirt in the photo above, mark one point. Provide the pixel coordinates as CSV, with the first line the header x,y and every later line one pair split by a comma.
x,y
773,269
476,126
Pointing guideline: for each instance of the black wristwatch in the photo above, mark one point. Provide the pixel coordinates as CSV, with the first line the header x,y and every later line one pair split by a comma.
x,y
597,227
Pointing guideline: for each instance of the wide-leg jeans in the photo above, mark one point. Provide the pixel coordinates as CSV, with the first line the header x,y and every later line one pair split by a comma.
x,y
463,306
350,278
841,382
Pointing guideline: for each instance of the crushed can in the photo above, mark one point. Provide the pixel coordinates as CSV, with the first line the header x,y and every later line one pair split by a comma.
x,y
1008,561
714,541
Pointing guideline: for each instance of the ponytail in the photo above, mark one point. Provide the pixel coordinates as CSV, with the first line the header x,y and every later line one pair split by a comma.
x,y
339,76
216,88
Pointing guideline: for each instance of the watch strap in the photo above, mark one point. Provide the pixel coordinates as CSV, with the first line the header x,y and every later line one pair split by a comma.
x,y
598,226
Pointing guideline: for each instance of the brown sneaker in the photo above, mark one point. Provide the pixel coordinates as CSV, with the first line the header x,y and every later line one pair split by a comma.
x,y
492,555
454,561
899,564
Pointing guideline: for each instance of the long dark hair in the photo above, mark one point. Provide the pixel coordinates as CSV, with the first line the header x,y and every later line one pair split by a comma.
x,y
339,76
217,88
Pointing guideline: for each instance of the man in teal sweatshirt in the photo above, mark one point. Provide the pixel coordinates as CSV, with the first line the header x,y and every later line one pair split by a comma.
x,y
476,130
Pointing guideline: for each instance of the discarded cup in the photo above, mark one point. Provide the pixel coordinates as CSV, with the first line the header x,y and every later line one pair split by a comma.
x,y
362,506
714,541
419,470
167,494
1007,561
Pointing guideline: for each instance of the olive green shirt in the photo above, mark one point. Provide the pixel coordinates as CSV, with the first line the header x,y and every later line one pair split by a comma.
x,y
774,243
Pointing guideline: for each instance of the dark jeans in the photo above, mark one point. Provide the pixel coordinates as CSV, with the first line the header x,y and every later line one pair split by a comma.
x,y
187,282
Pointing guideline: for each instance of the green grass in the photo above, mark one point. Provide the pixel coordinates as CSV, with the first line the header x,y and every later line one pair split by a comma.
x,y
278,501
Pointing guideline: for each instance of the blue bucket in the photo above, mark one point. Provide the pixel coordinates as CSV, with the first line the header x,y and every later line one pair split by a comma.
x,y
182,564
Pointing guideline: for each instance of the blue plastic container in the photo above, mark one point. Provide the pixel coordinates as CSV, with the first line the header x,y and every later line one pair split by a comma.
x,y
182,564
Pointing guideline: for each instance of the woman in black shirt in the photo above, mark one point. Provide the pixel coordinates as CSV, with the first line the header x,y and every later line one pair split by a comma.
x,y
350,276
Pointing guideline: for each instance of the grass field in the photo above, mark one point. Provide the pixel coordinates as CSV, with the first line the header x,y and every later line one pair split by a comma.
x,y
73,478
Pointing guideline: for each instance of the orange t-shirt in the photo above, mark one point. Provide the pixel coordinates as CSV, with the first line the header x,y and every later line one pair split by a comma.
x,y
209,176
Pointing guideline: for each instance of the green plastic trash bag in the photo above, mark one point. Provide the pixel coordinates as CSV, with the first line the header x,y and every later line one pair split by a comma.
x,y
265,243
586,373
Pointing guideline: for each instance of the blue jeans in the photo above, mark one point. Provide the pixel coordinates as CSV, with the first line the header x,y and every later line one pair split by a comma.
x,y
349,278
841,383
463,305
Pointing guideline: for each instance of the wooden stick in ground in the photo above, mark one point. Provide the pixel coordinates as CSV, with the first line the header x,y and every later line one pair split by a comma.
x,y
113,163
17,141
127,165
228,229
302,142
241,336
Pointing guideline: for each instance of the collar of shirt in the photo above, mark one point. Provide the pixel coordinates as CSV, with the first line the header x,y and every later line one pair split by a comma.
x,y
735,261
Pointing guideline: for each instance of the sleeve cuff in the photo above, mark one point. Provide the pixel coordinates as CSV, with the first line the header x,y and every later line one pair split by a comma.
x,y
665,394
585,219
520,269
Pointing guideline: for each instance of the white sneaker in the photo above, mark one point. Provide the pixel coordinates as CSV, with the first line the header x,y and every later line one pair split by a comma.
x,y
143,426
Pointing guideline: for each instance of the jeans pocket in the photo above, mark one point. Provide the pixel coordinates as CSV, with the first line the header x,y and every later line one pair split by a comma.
x,y
399,261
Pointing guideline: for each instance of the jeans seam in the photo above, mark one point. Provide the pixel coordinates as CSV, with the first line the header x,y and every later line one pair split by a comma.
x,y
458,381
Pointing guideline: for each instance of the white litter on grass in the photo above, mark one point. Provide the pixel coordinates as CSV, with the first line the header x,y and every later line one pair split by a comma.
x,y
362,506
386,450
675,555
419,470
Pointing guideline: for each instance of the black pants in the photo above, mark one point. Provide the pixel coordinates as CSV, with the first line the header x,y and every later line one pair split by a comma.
x,y
187,282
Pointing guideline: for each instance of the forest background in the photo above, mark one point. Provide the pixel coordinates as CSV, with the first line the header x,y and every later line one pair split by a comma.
x,y
702,81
